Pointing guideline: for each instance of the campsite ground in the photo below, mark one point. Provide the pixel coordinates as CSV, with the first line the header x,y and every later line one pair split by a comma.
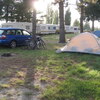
x,y
45,75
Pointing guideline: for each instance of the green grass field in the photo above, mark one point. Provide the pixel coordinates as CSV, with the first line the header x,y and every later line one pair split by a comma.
x,y
68,76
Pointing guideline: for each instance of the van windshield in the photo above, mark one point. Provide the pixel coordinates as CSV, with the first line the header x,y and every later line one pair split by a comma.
x,y
1,32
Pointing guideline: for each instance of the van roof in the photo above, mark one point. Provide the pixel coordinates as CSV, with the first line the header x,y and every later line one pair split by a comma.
x,y
6,28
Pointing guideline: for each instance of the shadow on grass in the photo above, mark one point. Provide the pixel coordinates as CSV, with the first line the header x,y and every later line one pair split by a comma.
x,y
19,72
29,83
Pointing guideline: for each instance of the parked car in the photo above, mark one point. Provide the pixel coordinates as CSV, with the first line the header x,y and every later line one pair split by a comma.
x,y
13,37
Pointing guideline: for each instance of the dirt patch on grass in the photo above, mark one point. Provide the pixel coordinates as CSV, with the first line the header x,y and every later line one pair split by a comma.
x,y
12,64
17,74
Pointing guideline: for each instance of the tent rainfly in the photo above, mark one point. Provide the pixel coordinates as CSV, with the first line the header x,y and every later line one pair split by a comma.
x,y
83,43
97,33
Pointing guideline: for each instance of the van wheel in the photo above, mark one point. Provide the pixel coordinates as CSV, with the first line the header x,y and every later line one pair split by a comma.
x,y
13,44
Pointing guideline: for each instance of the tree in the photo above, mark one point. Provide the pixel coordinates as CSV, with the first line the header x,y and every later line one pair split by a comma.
x,y
55,17
61,17
23,15
33,40
92,12
62,28
15,11
81,10
76,23
6,8
98,1
1,6
86,26
68,17
87,11
50,14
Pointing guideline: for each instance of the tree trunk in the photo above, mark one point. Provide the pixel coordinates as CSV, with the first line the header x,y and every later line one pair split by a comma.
x,y
7,11
93,25
34,24
62,29
32,43
81,20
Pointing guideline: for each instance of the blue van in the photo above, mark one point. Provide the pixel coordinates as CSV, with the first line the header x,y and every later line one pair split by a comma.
x,y
13,36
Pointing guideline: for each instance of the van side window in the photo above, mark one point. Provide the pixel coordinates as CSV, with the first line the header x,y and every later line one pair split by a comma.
x,y
19,32
25,33
10,32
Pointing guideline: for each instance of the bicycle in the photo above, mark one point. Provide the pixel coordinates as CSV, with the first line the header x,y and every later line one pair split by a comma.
x,y
36,43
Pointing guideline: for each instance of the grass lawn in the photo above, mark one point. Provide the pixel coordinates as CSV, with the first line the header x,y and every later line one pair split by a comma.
x,y
65,76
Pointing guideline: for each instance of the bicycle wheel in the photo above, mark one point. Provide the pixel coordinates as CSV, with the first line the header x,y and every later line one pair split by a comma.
x,y
42,44
32,44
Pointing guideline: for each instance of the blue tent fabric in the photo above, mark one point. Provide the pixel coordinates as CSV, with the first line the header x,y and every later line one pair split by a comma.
x,y
97,33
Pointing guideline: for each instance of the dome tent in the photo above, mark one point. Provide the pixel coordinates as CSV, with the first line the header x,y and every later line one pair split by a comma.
x,y
83,43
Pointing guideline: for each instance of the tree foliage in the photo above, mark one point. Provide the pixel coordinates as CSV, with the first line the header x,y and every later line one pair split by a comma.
x,y
55,17
23,15
13,11
76,23
6,9
86,26
92,11
50,14
68,17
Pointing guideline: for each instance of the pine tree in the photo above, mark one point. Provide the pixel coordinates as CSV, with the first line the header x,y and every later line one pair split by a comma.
x,y
68,17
